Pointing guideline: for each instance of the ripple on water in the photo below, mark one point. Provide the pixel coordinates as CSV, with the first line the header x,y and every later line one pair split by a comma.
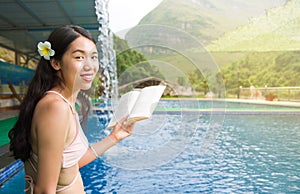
x,y
251,154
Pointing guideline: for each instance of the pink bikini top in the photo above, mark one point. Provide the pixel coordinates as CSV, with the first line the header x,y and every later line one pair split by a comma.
x,y
71,154
78,147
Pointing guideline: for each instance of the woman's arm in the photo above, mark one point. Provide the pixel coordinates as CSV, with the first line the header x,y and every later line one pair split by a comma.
x,y
120,131
52,124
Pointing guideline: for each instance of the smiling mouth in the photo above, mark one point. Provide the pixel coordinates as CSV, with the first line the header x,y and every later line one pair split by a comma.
x,y
87,77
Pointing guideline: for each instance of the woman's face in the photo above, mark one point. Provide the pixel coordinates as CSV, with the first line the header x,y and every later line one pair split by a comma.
x,y
80,64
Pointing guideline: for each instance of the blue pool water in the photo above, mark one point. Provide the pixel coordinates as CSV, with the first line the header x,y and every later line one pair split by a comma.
x,y
196,154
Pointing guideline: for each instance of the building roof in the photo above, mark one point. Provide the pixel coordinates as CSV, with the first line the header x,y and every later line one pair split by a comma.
x,y
23,23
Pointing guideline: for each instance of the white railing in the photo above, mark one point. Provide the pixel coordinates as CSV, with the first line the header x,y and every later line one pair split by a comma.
x,y
271,93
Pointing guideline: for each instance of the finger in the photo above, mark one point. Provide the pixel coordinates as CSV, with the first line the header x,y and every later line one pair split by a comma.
x,y
130,126
122,121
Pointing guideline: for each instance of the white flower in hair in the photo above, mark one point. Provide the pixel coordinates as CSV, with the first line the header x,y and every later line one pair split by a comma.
x,y
44,49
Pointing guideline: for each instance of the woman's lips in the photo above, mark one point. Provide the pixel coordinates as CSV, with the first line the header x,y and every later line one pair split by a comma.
x,y
87,77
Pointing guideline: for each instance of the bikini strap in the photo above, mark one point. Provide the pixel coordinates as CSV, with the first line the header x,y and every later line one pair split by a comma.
x,y
34,157
62,188
67,101
73,111
30,182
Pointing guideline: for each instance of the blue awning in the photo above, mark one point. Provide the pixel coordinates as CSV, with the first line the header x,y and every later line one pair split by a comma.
x,y
24,23
14,74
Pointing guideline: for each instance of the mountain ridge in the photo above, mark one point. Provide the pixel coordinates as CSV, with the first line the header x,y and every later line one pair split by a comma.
x,y
207,20
261,46
277,30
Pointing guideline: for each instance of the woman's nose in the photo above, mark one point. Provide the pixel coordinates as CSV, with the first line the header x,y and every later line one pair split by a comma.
x,y
90,63
86,65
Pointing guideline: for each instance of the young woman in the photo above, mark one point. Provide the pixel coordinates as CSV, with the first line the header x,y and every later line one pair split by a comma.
x,y
48,136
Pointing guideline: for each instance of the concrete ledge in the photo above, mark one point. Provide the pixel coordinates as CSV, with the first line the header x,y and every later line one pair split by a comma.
x,y
8,113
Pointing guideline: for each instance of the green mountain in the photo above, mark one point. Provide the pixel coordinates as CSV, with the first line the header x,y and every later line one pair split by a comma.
x,y
276,30
207,19
260,39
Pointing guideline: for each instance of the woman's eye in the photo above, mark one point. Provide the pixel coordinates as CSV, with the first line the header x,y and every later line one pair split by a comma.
x,y
79,57
95,57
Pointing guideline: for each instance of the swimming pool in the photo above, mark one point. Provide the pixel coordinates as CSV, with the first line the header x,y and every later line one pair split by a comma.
x,y
243,154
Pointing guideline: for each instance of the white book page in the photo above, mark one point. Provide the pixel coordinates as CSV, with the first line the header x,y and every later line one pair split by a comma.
x,y
124,106
147,101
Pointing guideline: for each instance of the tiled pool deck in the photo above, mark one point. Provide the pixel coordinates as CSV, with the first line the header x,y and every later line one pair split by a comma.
x,y
9,166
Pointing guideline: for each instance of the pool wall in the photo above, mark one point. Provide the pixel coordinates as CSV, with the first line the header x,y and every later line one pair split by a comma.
x,y
8,171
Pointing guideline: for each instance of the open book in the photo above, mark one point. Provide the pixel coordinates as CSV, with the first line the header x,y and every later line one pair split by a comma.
x,y
137,104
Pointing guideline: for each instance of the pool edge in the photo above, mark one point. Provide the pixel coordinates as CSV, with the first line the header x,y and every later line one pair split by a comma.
x,y
8,165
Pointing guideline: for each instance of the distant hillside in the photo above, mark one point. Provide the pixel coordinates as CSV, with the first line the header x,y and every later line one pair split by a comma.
x,y
207,19
273,69
258,38
277,30
131,64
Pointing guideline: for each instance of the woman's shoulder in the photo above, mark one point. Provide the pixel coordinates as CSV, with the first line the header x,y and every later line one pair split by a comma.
x,y
52,105
52,114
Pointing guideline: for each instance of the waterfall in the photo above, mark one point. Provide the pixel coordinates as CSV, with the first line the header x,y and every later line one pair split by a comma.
x,y
107,57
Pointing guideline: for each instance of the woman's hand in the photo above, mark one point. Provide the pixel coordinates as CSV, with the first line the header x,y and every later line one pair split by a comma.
x,y
121,130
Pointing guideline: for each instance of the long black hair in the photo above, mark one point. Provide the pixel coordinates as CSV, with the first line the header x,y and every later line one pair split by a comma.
x,y
44,79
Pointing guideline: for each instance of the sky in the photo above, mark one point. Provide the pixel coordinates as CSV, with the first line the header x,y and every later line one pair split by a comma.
x,y
124,14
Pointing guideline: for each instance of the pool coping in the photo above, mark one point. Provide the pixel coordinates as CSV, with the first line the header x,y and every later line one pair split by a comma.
x,y
9,166
284,107
264,102
295,104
